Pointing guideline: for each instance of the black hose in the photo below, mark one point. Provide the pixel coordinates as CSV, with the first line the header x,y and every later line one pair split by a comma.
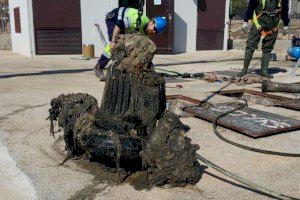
x,y
244,181
171,71
244,146
235,177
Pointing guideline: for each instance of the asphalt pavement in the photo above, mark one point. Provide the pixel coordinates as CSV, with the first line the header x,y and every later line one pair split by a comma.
x,y
30,156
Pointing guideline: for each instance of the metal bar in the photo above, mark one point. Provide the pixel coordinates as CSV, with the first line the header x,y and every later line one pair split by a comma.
x,y
277,101
178,96
101,34
269,86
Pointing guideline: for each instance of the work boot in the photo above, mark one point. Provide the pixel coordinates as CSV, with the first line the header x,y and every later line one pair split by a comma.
x,y
264,65
247,60
99,72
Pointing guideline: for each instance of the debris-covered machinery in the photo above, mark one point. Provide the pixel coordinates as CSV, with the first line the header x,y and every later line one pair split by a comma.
x,y
131,132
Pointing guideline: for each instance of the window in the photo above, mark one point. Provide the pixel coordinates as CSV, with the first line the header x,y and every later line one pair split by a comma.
x,y
17,20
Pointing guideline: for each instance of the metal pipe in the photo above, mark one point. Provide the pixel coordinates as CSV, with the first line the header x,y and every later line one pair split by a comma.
x,y
269,86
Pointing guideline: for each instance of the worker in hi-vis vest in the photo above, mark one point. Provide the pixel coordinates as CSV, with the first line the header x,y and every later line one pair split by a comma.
x,y
124,20
265,15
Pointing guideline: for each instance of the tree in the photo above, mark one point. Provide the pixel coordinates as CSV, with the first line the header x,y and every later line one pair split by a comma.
x,y
236,6
4,14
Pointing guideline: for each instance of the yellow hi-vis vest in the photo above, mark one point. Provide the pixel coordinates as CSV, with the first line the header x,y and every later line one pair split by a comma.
x,y
255,16
106,51
129,16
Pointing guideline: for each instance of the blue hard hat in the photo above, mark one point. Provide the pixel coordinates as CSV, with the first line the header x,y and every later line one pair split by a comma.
x,y
160,24
294,52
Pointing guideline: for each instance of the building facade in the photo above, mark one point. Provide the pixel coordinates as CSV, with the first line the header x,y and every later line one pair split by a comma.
x,y
43,27
295,9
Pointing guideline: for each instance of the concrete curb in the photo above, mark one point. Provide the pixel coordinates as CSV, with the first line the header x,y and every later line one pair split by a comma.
x,y
14,183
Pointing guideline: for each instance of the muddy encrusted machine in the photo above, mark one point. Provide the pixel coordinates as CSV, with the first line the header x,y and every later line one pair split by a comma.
x,y
131,131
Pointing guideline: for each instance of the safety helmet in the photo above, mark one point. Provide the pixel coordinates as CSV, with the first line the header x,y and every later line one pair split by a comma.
x,y
294,52
160,23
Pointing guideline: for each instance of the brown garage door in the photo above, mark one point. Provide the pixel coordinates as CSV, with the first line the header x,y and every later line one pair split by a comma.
x,y
210,28
57,26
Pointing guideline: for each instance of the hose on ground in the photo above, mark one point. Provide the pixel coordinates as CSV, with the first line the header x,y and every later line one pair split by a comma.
x,y
235,177
244,181
170,71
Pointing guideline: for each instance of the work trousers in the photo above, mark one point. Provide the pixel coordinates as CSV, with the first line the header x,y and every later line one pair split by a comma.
x,y
254,37
110,24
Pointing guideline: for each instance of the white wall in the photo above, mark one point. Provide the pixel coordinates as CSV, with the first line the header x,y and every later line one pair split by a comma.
x,y
94,11
21,42
185,25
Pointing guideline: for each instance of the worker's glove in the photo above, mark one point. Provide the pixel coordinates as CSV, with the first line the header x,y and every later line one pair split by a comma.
x,y
112,45
245,27
285,30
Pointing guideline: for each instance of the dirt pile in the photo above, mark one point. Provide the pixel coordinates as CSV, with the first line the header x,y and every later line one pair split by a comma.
x,y
131,131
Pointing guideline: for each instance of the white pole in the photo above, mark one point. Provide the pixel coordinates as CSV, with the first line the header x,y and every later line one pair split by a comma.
x,y
226,23
30,28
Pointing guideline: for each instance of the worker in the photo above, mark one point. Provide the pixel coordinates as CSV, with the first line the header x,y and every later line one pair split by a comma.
x,y
265,15
123,20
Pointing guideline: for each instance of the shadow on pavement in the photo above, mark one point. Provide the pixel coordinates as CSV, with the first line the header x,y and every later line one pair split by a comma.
x,y
44,73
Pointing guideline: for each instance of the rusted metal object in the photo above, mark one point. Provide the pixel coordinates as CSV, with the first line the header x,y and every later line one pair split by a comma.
x,y
272,100
249,121
269,86
182,97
